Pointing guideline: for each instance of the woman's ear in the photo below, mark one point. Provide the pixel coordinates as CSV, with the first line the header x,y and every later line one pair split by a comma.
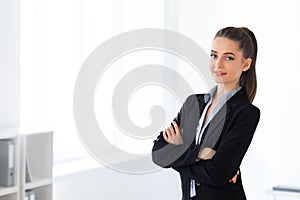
x,y
247,64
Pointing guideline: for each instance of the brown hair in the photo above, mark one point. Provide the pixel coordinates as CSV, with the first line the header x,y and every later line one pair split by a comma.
x,y
248,45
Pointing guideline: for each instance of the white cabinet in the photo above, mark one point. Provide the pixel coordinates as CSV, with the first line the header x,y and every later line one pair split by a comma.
x,y
11,192
33,157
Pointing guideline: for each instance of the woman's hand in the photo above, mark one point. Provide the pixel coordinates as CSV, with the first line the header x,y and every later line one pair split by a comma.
x,y
206,153
233,180
173,135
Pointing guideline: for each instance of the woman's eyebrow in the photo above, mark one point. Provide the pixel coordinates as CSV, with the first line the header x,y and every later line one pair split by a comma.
x,y
226,53
229,53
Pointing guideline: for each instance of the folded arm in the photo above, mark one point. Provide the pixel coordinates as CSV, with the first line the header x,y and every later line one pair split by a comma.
x,y
226,161
172,148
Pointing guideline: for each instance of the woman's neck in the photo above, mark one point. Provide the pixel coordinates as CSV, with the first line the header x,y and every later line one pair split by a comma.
x,y
222,89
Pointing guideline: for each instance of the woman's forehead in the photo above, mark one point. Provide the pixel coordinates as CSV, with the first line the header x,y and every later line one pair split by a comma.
x,y
222,45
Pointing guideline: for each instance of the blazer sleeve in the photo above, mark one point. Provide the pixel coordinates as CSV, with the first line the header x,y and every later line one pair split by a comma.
x,y
225,163
168,155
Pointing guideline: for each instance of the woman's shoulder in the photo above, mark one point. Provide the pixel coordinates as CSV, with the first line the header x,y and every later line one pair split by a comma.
x,y
195,98
241,100
249,108
196,95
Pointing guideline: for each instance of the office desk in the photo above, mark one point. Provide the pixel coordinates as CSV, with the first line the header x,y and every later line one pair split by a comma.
x,y
283,195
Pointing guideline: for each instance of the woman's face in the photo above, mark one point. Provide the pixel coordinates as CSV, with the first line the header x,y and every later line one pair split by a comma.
x,y
227,62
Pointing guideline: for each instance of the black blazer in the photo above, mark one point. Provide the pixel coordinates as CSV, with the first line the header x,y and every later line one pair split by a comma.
x,y
236,123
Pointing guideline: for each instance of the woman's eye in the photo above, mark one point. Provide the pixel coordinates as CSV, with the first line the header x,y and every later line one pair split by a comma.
x,y
229,58
213,55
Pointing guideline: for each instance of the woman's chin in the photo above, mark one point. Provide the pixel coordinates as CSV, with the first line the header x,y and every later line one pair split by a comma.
x,y
218,80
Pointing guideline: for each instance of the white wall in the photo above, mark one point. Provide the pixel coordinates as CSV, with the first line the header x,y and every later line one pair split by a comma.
x,y
9,63
273,155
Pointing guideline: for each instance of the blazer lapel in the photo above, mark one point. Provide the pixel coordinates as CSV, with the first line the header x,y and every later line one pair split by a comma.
x,y
214,129
193,117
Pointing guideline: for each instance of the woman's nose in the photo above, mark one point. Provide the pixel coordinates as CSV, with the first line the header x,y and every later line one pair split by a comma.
x,y
218,63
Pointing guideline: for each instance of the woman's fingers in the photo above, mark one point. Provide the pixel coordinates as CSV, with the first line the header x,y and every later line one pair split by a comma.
x,y
206,153
172,134
168,134
176,127
233,180
171,130
165,135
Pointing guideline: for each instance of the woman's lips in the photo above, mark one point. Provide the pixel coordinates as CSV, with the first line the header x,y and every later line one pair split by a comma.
x,y
218,73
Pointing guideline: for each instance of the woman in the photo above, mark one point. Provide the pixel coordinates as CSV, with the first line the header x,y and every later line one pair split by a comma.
x,y
208,139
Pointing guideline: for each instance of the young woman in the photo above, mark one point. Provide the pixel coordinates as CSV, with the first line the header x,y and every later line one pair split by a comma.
x,y
208,139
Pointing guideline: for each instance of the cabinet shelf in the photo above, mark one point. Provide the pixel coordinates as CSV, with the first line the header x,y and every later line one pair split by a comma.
x,y
8,190
38,182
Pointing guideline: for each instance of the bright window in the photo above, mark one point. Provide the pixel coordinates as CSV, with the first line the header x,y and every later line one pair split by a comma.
x,y
56,37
